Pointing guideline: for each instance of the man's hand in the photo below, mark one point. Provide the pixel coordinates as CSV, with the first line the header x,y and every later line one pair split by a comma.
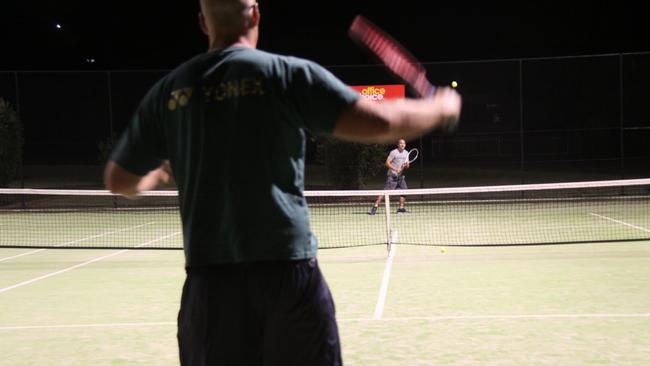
x,y
123,182
156,177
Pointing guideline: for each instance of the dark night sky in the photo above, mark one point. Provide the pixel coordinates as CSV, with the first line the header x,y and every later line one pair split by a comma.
x,y
148,34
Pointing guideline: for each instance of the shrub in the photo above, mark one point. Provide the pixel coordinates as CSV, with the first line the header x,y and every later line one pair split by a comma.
x,y
11,143
349,165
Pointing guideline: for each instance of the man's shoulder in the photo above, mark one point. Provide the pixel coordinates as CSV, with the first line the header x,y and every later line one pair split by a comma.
x,y
266,56
250,57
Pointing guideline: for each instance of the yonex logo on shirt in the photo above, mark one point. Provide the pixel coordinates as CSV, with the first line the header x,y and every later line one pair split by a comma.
x,y
180,97
222,91
233,89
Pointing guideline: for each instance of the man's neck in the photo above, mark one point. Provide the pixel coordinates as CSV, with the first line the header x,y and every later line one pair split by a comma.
x,y
220,43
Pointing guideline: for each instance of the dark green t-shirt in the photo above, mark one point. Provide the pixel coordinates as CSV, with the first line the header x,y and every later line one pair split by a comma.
x,y
233,123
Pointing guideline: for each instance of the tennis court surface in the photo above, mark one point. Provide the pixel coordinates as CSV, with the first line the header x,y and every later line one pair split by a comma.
x,y
507,276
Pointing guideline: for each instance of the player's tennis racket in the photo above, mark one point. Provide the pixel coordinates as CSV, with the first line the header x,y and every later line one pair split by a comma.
x,y
394,56
413,155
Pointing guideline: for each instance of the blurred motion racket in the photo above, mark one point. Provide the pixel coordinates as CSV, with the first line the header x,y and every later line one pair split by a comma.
x,y
392,54
395,57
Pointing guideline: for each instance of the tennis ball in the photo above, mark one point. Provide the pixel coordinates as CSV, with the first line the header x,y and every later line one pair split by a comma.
x,y
443,250
454,84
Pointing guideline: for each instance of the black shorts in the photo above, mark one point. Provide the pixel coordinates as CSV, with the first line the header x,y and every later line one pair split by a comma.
x,y
265,313
395,182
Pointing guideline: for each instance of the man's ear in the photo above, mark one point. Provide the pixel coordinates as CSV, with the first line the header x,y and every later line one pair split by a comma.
x,y
203,24
255,19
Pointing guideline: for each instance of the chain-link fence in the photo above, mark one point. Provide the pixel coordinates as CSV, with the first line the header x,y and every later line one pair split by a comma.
x,y
523,121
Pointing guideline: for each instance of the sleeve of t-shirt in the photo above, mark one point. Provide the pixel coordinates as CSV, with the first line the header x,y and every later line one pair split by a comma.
x,y
141,148
319,95
392,156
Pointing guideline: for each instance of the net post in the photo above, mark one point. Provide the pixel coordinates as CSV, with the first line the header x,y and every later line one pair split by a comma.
x,y
388,228
421,165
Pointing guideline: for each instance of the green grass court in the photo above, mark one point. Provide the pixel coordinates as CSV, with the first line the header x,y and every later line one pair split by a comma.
x,y
569,304
586,304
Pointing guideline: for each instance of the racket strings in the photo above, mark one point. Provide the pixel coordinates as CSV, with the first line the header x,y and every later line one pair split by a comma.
x,y
395,58
413,154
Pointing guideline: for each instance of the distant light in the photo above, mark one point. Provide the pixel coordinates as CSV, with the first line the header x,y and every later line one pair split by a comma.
x,y
90,60
58,26
454,84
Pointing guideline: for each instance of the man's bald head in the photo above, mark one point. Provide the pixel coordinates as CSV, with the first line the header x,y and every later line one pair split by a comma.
x,y
228,20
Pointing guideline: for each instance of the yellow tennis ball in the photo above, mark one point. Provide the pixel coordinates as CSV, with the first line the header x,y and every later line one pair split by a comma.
x,y
443,250
454,84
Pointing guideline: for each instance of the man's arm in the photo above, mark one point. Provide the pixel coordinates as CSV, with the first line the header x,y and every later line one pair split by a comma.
x,y
389,162
371,122
120,181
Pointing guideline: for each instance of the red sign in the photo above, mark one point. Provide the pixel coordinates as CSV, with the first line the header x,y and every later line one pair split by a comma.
x,y
381,92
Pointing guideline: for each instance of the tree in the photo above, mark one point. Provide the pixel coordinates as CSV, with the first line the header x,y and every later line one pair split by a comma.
x,y
105,148
11,143
349,165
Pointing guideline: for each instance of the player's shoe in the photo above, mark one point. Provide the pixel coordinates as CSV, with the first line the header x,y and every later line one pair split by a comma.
x,y
373,210
401,211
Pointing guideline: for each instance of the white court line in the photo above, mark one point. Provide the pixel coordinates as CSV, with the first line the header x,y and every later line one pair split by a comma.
x,y
101,325
620,222
83,264
420,318
381,300
22,254
76,241
502,317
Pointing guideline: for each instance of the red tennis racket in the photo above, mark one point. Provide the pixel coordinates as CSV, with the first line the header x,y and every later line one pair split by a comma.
x,y
392,54
395,57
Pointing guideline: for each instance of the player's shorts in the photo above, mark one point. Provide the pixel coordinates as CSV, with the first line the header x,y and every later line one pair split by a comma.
x,y
264,313
395,182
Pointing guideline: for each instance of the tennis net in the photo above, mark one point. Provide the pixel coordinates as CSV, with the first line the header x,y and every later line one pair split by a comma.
x,y
584,212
